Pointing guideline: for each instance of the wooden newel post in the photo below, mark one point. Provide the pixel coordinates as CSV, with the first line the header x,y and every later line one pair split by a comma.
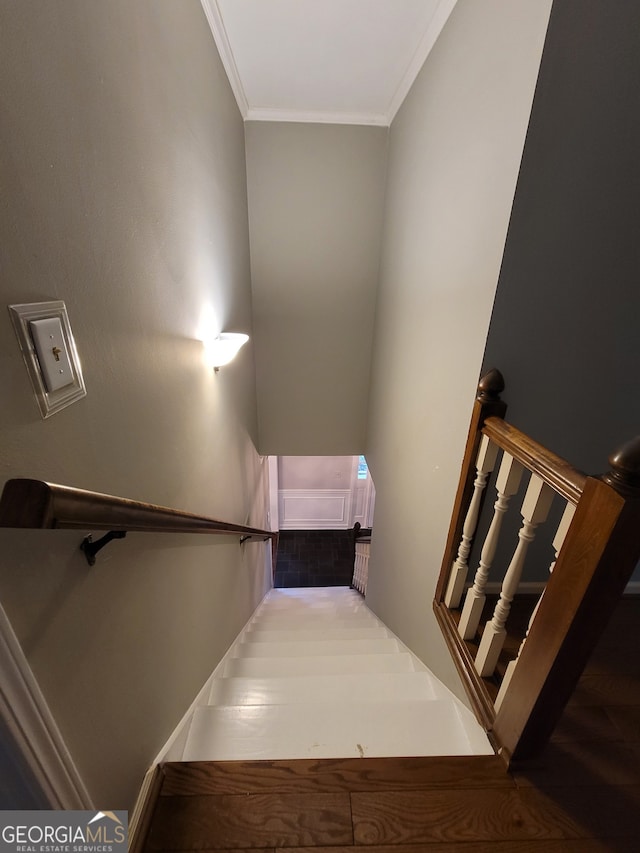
x,y
624,475
490,386
487,404
599,554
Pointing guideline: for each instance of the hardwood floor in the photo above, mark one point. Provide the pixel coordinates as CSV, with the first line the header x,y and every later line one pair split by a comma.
x,y
581,795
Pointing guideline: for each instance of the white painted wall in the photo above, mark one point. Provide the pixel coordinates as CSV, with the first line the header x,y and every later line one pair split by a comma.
x,y
315,211
454,152
315,472
124,193
321,493
316,492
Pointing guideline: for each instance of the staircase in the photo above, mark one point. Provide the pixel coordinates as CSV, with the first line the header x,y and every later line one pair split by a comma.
x,y
315,674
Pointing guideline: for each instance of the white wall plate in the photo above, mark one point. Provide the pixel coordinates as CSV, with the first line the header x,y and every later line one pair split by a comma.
x,y
49,401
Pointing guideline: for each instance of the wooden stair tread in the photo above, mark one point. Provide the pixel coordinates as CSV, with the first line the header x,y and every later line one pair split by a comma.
x,y
250,820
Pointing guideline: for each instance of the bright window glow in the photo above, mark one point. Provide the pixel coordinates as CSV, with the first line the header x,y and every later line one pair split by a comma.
x,y
363,470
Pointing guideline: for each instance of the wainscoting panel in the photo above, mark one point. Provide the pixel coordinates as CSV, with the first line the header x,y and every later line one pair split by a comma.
x,y
317,509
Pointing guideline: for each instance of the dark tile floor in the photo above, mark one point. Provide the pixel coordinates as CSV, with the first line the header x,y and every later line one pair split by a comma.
x,y
314,558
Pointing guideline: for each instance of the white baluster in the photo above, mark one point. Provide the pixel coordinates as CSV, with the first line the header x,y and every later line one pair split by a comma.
x,y
535,509
366,549
361,569
487,454
357,574
507,484
558,540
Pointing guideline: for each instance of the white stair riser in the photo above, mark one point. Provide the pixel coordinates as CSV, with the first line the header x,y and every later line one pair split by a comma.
x,y
316,602
314,593
314,648
293,624
326,731
322,612
262,635
313,689
316,674
313,602
289,667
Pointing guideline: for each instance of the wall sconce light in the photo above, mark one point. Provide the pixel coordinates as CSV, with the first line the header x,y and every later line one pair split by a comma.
x,y
225,347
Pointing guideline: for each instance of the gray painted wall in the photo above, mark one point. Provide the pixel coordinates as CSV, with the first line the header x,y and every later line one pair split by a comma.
x,y
124,193
564,328
565,325
315,211
454,152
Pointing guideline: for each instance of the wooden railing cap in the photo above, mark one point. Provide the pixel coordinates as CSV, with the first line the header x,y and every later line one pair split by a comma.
x,y
490,386
624,475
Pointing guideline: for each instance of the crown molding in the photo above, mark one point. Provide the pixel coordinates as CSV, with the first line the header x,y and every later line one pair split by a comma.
x,y
436,24
216,25
314,117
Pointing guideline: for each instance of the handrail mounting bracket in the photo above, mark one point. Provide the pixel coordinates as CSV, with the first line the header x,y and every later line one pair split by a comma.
x,y
91,548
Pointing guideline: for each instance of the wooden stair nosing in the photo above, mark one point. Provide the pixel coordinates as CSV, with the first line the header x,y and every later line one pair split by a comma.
x,y
331,775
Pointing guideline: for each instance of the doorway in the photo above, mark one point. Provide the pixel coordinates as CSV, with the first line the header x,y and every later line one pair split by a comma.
x,y
315,503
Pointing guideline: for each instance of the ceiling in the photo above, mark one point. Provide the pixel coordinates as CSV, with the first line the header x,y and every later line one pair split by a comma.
x,y
335,61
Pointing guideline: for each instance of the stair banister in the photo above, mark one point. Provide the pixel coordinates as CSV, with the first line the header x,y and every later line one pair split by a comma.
x,y
598,556
535,509
597,548
558,541
27,503
507,484
487,455
487,404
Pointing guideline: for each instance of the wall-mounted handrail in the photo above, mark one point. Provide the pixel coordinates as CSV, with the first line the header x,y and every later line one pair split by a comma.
x,y
36,504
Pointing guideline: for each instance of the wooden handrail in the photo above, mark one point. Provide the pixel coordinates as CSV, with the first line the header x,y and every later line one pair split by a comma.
x,y
557,472
37,504
595,558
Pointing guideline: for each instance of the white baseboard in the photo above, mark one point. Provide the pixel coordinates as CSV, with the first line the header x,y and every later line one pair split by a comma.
x,y
36,738
143,809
